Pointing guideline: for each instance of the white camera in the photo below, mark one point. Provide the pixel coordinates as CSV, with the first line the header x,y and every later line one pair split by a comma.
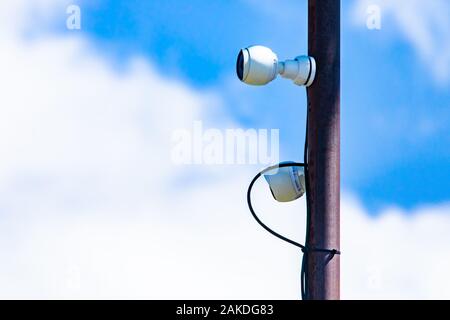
x,y
258,65
286,183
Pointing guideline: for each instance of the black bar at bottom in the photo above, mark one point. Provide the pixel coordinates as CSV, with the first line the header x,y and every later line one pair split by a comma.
x,y
200,309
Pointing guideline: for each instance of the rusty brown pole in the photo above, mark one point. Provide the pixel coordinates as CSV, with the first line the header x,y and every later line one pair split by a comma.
x,y
324,149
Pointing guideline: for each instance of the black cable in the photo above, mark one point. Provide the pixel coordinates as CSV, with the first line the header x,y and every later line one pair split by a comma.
x,y
249,202
303,278
305,249
303,272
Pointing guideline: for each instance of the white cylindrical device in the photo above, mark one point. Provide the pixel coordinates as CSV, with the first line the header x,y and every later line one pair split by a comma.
x,y
258,65
287,183
301,70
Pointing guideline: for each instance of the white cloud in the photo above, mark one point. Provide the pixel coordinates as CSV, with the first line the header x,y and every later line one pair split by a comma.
x,y
88,208
424,24
397,255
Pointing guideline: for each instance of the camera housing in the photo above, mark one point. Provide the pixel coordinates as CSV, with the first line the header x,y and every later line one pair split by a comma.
x,y
259,65
287,183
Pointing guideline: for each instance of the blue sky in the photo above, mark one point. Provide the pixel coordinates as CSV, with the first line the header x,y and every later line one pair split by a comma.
x,y
89,208
395,133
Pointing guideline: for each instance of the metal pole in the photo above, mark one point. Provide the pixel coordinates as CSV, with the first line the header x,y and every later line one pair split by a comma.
x,y
324,149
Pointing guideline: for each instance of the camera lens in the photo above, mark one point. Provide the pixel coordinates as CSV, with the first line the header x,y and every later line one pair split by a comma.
x,y
240,65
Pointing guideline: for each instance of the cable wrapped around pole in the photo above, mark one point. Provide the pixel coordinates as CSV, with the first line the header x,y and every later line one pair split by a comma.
x,y
305,249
